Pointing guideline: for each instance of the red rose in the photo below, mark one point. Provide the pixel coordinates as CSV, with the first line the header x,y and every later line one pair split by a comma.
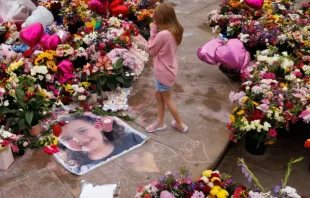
x,y
307,144
147,196
57,130
215,175
289,105
206,189
5,143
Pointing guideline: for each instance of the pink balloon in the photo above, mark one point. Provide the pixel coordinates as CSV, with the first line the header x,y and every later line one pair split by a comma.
x,y
49,42
32,34
233,55
256,4
206,52
44,39
52,42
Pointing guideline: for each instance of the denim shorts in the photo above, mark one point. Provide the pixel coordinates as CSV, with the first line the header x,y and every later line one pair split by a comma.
x,y
160,87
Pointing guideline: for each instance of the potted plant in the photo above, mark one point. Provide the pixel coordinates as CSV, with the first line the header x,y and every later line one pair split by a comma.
x,y
110,80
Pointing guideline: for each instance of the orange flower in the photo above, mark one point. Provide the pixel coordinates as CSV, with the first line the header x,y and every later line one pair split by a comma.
x,y
234,4
307,144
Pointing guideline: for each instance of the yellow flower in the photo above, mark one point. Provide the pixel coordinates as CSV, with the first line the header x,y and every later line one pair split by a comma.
x,y
68,88
222,194
42,92
51,65
235,109
207,173
255,103
245,99
45,144
287,69
215,179
86,84
55,142
241,112
215,190
232,118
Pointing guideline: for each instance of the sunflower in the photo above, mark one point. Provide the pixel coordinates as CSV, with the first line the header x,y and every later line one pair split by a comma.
x,y
51,65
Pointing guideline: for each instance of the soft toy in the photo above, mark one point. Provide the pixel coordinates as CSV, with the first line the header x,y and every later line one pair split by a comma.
x,y
20,48
7,53
40,15
12,33
117,8
231,55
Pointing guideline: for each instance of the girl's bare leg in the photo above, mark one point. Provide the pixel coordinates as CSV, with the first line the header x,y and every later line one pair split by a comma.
x,y
167,97
160,108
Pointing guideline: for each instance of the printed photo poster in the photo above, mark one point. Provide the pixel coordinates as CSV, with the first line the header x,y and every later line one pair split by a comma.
x,y
88,141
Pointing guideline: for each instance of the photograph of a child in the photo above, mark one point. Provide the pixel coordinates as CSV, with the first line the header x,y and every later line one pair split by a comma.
x,y
88,141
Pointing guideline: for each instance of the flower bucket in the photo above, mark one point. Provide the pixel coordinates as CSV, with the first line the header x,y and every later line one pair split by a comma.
x,y
94,98
35,130
6,157
253,146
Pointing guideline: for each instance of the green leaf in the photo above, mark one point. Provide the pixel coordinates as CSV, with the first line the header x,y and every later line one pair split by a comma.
x,y
111,85
4,111
29,117
118,64
21,124
20,94
22,104
120,79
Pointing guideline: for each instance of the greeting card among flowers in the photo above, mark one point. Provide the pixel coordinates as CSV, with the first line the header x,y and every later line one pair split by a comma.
x,y
88,141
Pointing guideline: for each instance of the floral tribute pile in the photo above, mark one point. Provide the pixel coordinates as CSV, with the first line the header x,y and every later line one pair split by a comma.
x,y
68,52
275,89
213,184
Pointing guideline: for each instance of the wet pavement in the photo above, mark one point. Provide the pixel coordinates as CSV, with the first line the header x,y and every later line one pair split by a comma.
x,y
201,94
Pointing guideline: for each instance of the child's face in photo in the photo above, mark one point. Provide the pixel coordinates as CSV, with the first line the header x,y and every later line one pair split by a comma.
x,y
79,135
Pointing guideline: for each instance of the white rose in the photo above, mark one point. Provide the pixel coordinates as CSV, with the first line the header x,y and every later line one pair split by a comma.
x,y
82,98
48,77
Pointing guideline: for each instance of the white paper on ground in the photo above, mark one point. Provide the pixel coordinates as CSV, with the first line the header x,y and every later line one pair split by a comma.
x,y
103,191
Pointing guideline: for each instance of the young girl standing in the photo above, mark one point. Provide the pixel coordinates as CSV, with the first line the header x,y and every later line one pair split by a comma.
x,y
163,47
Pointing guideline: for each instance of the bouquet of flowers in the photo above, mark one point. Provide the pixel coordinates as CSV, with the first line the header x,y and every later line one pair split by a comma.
x,y
214,184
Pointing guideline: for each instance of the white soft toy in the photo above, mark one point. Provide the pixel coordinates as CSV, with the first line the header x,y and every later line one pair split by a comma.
x,y
40,15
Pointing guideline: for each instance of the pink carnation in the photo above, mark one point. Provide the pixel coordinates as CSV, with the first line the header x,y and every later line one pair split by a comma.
x,y
166,194
269,75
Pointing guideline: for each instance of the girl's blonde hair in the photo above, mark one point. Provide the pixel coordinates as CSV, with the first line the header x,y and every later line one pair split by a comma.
x,y
166,19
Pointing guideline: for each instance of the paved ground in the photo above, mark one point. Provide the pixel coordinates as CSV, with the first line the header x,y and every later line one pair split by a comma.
x,y
202,96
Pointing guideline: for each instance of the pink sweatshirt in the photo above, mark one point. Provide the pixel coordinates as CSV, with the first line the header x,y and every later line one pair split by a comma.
x,y
163,47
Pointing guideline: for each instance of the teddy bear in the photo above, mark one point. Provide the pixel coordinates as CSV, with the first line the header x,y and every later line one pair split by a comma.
x,y
7,53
